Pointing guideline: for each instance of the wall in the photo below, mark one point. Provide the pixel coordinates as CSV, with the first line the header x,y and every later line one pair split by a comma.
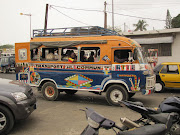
x,y
175,51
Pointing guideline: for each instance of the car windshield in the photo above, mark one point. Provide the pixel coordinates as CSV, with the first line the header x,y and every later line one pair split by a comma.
x,y
157,68
140,55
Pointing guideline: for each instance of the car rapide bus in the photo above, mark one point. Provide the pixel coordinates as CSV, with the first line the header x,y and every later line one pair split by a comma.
x,y
89,59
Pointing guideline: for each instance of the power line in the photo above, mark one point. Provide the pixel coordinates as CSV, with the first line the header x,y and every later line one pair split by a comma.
x,y
68,16
147,4
110,13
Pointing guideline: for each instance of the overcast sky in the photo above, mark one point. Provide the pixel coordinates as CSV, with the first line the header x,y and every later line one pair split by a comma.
x,y
16,28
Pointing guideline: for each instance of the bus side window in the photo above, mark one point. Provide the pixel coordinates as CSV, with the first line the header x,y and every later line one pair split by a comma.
x,y
49,54
22,54
70,52
90,54
121,56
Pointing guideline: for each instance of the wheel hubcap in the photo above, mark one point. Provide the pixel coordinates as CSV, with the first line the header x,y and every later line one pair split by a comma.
x,y
49,91
158,87
2,121
116,96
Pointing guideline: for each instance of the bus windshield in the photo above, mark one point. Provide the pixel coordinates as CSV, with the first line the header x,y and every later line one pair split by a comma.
x,y
140,55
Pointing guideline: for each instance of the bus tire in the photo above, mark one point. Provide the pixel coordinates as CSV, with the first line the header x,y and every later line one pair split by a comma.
x,y
7,120
70,92
50,92
116,93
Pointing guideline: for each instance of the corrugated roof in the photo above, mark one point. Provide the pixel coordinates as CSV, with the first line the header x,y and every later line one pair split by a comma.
x,y
154,40
174,30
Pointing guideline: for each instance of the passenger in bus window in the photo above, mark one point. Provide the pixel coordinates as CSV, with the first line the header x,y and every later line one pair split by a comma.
x,y
91,58
97,56
118,58
34,54
73,55
82,56
56,54
66,56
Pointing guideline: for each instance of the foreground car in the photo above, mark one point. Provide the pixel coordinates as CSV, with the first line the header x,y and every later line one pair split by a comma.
x,y
17,102
167,75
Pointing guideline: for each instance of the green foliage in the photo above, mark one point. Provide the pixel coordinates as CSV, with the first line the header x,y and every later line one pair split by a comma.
x,y
141,25
168,20
6,46
176,22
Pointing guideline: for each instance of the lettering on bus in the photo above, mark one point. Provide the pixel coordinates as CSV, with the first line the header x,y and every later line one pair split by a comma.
x,y
77,67
125,68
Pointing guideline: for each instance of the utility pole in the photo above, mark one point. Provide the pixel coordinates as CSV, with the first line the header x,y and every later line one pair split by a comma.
x,y
105,15
124,27
112,14
46,18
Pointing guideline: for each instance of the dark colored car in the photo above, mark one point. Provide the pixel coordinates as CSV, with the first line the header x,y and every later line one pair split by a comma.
x,y
7,64
17,102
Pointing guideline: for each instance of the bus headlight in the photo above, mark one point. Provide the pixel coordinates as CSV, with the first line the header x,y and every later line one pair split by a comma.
x,y
146,72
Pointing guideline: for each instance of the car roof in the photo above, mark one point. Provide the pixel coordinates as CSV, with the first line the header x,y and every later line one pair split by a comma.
x,y
170,63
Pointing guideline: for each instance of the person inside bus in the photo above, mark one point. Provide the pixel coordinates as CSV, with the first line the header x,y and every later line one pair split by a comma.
x,y
118,58
97,56
55,54
91,58
82,56
73,55
66,56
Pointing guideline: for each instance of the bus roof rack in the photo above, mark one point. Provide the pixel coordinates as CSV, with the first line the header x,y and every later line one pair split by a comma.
x,y
73,31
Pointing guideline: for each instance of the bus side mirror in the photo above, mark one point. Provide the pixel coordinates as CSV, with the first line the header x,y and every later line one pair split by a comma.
x,y
134,56
130,59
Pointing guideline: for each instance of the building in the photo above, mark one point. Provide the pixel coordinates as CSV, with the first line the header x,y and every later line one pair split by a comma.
x,y
167,42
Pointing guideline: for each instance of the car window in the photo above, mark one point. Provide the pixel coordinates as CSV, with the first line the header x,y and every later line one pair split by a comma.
x,y
164,69
170,69
173,69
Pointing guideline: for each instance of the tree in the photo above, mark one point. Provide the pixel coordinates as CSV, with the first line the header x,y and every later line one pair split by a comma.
x,y
6,46
168,20
141,25
176,22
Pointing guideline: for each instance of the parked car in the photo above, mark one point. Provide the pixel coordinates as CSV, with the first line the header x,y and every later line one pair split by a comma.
x,y
167,75
7,64
17,102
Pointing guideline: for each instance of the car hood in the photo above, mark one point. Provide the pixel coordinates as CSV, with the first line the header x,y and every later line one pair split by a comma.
x,y
12,86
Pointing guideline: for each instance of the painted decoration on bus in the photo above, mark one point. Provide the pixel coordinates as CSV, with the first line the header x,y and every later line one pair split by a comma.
x,y
135,85
78,80
77,76
35,78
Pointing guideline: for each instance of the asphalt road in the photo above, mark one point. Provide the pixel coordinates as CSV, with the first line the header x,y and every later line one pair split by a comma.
x,y
63,117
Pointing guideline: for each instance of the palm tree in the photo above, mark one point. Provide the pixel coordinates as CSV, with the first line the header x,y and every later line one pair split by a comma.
x,y
141,25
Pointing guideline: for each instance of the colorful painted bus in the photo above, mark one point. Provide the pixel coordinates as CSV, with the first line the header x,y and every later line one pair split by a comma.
x,y
91,59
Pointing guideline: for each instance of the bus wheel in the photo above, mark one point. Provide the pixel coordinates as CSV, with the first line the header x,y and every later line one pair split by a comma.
x,y
70,92
50,92
116,93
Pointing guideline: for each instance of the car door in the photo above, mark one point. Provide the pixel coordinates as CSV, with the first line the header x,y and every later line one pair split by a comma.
x,y
170,75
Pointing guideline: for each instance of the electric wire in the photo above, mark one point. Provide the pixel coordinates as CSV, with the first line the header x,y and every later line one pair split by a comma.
x,y
69,16
109,12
